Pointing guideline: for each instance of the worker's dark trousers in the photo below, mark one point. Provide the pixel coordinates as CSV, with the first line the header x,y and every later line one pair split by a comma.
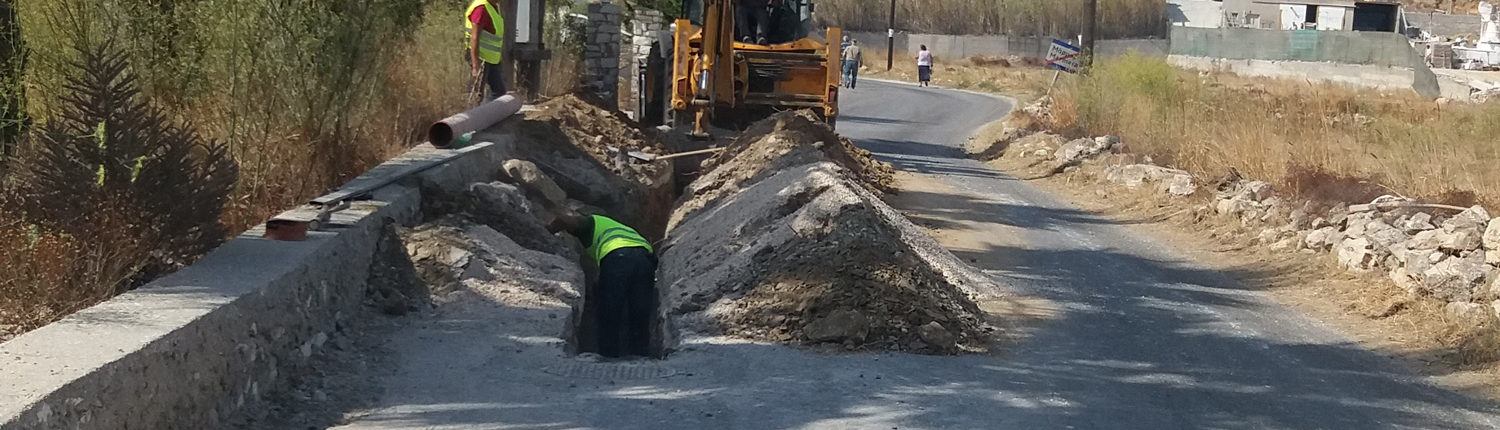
x,y
626,302
754,22
494,78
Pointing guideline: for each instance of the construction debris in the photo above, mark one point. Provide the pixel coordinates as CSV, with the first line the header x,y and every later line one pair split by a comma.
x,y
784,239
584,148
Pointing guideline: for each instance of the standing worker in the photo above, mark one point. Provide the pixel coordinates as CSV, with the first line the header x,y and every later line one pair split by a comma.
x,y
924,66
626,301
852,61
486,30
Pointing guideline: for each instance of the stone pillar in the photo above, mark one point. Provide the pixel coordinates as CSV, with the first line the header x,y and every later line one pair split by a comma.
x,y
602,51
643,31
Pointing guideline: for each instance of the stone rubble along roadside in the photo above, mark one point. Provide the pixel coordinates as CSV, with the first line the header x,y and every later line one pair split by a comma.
x,y
1453,257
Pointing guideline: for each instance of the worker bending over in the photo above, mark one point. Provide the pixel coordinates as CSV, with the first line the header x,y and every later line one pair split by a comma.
x,y
626,300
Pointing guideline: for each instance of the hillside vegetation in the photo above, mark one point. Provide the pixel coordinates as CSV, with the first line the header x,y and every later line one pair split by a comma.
x,y
1117,18
137,139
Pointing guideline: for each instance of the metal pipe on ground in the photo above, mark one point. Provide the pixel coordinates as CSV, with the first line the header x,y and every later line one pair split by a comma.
x,y
442,133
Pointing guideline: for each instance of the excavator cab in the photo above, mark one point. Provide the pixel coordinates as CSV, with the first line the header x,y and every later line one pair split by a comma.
x,y
711,75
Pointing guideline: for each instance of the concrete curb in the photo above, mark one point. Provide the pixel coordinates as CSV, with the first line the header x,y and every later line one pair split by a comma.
x,y
192,349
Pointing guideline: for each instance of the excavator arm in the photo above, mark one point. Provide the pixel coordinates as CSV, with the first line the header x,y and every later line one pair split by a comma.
x,y
717,79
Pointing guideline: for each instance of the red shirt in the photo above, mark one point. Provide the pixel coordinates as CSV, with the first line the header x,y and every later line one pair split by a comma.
x,y
481,19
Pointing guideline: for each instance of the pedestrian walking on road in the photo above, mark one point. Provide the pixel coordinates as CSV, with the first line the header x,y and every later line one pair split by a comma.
x,y
852,61
626,300
924,67
485,25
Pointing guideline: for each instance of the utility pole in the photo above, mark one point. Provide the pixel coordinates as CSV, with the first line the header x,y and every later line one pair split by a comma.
x,y
1090,32
890,39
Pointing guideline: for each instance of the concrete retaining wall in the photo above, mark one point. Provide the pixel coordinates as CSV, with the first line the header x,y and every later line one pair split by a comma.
x,y
1367,59
192,349
955,47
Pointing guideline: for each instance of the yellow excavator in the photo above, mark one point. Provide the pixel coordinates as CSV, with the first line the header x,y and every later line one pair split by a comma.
x,y
725,71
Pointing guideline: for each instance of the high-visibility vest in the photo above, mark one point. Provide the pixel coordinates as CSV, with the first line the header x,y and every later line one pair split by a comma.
x,y
610,235
491,45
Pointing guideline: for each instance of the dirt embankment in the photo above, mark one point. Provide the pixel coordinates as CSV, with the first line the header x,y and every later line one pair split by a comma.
x,y
785,239
583,147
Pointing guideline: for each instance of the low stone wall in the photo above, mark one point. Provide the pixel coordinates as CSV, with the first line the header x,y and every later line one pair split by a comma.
x,y
194,348
1421,81
954,47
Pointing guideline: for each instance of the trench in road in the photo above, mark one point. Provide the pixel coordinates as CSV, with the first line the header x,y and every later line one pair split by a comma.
x,y
1130,337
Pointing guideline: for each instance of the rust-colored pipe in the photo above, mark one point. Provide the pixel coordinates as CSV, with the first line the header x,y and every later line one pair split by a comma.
x,y
442,133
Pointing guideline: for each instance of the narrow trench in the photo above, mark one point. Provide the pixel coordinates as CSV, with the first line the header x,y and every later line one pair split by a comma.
x,y
583,329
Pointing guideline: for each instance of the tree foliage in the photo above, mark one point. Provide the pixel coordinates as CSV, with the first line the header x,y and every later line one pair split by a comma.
x,y
12,90
108,166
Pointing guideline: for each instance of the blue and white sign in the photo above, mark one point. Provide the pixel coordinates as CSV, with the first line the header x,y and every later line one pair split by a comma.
x,y
1063,56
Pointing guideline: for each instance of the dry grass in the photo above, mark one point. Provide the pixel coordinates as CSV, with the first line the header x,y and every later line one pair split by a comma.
x,y
1015,76
1117,18
304,101
1319,141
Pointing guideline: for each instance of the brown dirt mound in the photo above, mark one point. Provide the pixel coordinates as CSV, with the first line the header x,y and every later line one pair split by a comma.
x,y
808,256
582,145
821,290
784,140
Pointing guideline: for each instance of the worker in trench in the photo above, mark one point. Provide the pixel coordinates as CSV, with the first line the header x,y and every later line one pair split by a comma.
x,y
626,266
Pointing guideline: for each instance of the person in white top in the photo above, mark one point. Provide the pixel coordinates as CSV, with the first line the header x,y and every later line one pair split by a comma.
x,y
924,66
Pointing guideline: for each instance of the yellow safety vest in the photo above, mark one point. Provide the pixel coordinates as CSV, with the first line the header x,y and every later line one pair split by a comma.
x,y
610,235
491,45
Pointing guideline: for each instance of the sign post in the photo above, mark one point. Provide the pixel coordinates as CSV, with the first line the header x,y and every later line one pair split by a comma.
x,y
1063,57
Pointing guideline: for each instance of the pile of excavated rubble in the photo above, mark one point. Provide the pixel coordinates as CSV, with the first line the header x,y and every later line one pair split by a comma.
x,y
584,147
1451,254
785,239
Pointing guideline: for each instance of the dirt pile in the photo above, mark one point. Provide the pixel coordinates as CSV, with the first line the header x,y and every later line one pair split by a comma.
x,y
800,250
772,145
583,147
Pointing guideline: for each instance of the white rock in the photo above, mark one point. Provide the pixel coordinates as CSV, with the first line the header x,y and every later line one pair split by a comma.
x,y
1430,239
1472,312
1358,254
1492,235
1461,240
1179,185
1256,191
1475,218
1319,222
1322,238
1231,207
1078,150
1356,224
1384,235
1455,279
1287,244
1417,222
1403,278
1492,257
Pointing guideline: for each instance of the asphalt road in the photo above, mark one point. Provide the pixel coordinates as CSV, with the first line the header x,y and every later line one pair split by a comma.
x,y
1140,339
1136,339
